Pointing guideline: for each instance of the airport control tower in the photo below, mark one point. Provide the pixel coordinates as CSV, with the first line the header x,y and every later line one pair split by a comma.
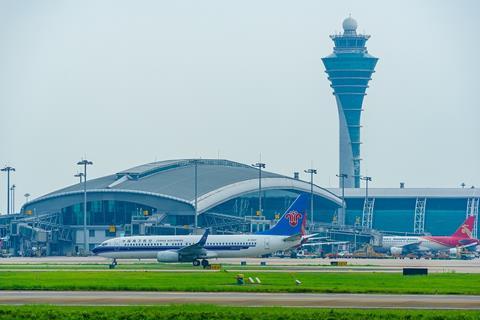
x,y
349,69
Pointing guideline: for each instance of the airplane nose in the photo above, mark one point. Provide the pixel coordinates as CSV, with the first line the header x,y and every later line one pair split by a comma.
x,y
95,250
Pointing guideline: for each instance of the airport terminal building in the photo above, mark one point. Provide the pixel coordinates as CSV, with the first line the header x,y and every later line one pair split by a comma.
x,y
159,198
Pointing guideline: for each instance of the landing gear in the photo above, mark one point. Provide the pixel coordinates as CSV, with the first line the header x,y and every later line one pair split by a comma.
x,y
205,263
113,264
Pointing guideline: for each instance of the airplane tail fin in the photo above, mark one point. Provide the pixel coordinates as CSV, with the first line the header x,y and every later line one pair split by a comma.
x,y
293,220
465,229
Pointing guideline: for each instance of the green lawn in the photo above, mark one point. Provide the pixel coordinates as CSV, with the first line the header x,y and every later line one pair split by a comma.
x,y
202,312
445,283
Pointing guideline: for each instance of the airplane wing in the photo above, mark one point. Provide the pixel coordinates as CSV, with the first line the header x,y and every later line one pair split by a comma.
x,y
295,237
414,246
309,237
195,249
313,235
311,244
472,246
299,236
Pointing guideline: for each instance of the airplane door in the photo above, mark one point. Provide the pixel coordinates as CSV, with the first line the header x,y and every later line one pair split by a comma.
x,y
267,243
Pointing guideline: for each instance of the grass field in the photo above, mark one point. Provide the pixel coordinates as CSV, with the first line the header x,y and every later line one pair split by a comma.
x,y
446,283
202,312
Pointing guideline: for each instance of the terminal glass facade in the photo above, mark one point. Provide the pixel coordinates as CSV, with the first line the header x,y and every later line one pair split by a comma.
x,y
105,212
274,202
442,216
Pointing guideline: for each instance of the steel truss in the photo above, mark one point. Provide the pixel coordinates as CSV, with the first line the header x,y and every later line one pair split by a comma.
x,y
367,214
472,210
419,218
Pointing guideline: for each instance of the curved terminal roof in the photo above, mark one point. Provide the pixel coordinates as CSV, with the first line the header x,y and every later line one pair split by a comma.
x,y
218,181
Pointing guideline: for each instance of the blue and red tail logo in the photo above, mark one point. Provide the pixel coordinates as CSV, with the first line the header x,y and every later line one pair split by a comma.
x,y
465,229
293,220
293,217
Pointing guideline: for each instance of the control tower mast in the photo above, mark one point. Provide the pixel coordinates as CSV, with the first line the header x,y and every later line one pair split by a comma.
x,y
349,70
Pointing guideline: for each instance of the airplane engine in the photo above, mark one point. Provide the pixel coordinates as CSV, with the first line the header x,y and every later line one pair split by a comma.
x,y
396,251
453,251
168,256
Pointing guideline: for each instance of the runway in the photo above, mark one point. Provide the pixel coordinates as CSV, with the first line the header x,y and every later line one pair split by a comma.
x,y
241,299
275,264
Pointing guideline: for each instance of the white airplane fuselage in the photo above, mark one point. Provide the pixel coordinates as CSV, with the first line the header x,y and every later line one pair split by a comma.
x,y
427,243
216,246
424,243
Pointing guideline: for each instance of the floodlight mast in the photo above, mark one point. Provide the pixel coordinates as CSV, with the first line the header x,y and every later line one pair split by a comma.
x,y
8,169
195,161
12,191
85,163
366,179
342,177
311,171
80,176
260,166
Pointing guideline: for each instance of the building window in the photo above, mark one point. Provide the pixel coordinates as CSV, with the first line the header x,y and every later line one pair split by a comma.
x,y
108,233
91,233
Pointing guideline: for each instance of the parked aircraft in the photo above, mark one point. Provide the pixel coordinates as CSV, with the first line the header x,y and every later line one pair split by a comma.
x,y
462,238
287,233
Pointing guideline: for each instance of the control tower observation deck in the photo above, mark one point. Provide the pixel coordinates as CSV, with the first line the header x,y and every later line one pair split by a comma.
x,y
349,69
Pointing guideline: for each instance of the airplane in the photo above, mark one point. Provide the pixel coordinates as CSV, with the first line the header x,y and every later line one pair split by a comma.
x,y
462,238
288,232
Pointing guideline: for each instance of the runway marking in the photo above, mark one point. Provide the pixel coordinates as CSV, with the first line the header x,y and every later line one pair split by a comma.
x,y
241,299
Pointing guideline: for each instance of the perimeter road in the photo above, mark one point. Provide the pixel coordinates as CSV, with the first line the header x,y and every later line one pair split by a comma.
x,y
242,299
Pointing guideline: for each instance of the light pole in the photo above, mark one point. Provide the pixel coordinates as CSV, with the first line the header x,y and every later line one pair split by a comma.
x,y
342,177
79,175
367,179
7,169
311,171
196,193
85,163
12,189
26,195
260,166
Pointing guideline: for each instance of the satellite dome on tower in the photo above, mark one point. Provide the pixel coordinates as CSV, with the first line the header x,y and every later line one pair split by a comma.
x,y
349,25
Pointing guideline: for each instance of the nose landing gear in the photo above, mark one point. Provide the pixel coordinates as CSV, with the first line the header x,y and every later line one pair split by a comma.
x,y
113,264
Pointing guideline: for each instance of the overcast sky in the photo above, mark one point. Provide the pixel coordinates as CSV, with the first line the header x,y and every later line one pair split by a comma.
x,y
131,82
